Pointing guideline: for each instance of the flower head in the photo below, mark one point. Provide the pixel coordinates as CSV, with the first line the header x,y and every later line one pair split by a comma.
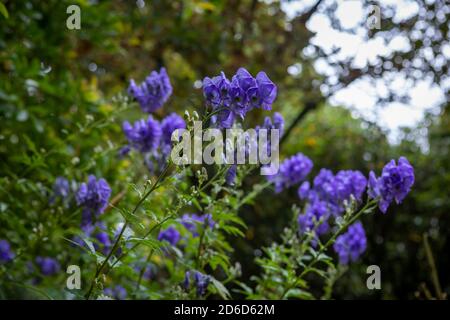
x,y
315,218
153,92
394,184
170,235
335,190
352,244
230,175
118,292
48,266
93,195
6,255
292,171
169,124
144,135
61,188
201,281
192,221
238,96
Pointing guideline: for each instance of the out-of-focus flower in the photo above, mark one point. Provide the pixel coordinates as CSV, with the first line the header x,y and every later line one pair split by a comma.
x,y
93,196
144,135
394,184
200,281
350,182
170,235
193,221
104,241
61,188
292,171
153,92
334,189
48,266
124,151
6,254
352,244
118,292
277,123
315,218
169,124
230,175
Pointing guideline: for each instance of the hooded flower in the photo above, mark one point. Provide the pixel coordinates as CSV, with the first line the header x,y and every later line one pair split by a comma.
x,y
153,92
118,292
352,244
292,171
315,218
238,96
193,221
168,125
171,235
334,190
48,266
394,184
144,135
201,281
93,196
6,255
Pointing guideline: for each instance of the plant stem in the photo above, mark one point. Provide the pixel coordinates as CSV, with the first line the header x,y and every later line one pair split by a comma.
x,y
434,273
330,241
125,225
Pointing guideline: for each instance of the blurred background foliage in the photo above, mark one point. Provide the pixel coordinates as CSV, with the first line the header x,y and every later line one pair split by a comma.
x,y
58,119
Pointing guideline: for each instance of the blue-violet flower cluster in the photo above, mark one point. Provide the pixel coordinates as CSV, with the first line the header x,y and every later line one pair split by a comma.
x,y
394,184
153,92
238,96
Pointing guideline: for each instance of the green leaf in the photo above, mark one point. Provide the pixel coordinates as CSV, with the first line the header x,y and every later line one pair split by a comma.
x,y
3,10
221,290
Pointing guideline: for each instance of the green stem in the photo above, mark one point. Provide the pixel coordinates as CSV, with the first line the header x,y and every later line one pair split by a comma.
x,y
328,244
125,225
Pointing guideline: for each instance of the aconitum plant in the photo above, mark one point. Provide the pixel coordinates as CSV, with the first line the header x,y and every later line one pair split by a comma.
x,y
153,92
154,229
233,99
394,184
6,254
352,244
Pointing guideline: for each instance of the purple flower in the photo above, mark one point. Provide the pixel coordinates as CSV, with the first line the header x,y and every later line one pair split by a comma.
x,y
6,255
238,96
201,281
303,190
267,91
48,266
61,188
315,218
143,135
153,92
104,241
277,123
349,182
215,90
292,171
93,196
230,175
170,235
169,124
124,151
118,292
192,221
394,184
334,189
350,245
